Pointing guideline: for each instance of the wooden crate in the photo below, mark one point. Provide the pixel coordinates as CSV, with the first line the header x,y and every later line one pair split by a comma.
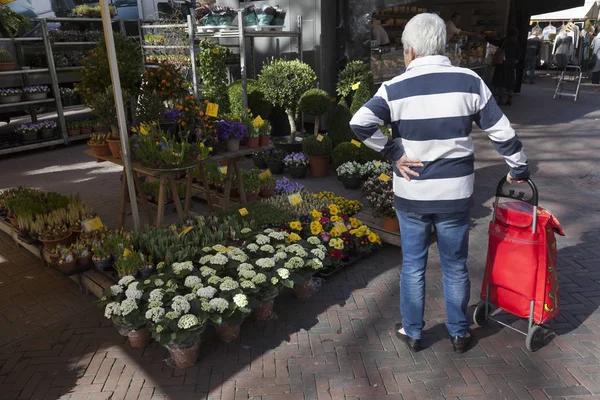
x,y
7,228
217,198
376,225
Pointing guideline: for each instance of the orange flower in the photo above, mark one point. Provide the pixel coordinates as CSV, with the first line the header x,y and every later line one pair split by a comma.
x,y
205,101
202,113
187,109
168,73
182,123
151,73
163,81
168,85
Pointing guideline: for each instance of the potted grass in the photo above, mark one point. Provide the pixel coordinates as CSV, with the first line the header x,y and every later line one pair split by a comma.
x,y
318,149
85,127
230,133
81,250
297,164
267,187
47,129
274,159
28,132
73,128
10,95
252,184
101,258
99,145
36,92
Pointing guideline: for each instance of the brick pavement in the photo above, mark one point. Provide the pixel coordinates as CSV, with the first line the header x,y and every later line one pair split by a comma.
x,y
340,343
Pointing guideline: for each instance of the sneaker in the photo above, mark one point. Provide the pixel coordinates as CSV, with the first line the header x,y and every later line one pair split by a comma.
x,y
461,343
414,345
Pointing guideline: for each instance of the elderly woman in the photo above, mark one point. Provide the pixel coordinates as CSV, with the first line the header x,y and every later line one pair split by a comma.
x,y
505,75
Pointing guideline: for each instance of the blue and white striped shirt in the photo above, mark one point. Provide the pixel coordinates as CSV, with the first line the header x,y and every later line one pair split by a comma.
x,y
431,109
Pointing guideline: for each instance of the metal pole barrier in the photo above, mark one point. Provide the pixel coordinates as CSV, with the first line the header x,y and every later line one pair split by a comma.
x,y
116,83
243,57
192,44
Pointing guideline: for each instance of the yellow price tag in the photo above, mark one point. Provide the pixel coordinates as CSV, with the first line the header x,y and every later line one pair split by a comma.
x,y
356,86
333,99
384,178
215,51
377,163
320,138
223,170
212,110
258,121
341,227
265,175
356,143
186,230
222,249
126,253
295,199
243,212
92,224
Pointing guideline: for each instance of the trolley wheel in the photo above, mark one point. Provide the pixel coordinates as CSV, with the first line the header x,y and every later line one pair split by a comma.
x,y
479,314
535,338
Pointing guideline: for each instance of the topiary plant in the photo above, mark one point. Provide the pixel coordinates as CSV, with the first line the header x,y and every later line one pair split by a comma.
x,y
257,103
283,83
355,72
345,152
366,154
212,67
339,130
315,102
361,97
311,146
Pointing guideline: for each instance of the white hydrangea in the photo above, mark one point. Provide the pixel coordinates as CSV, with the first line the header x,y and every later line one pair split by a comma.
x,y
132,292
266,263
219,305
238,255
192,281
247,285
214,280
206,292
155,304
315,264
207,271
320,254
245,231
259,278
207,249
112,309
204,260
262,239
240,300
188,321
253,247
283,273
219,259
277,235
322,248
297,250
315,241
159,282
126,280
245,267
190,296
247,274
156,295
160,265
116,290
267,248
180,267
268,230
172,315
228,285
294,263
155,314
180,304
127,306
274,281
280,247
280,255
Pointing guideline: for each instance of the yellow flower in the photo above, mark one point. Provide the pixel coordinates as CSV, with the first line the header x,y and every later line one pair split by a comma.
x,y
337,244
210,149
333,209
296,225
316,227
355,223
176,154
374,238
335,232
202,144
293,238
336,218
316,215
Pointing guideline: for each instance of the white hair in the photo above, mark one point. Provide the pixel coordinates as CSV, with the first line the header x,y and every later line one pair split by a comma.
x,y
426,35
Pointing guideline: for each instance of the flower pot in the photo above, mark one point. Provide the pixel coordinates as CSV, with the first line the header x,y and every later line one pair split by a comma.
x,y
298,172
266,193
102,265
84,260
184,357
265,311
391,224
75,233
252,196
50,244
260,163
10,99
115,147
253,142
68,267
14,221
73,132
85,131
35,96
264,140
139,338
319,166
99,129
8,66
101,149
233,145
228,333
276,168
303,291
29,137
46,133
352,183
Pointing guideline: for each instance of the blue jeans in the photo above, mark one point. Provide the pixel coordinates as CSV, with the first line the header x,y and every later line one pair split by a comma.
x,y
453,244
531,64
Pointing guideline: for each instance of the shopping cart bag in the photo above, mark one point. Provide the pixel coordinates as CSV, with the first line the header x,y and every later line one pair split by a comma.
x,y
520,274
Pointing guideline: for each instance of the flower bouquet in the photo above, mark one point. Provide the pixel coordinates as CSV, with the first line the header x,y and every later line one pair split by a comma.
x,y
231,132
37,92
298,164
10,95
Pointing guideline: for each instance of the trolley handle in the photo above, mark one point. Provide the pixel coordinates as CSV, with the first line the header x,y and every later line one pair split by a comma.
x,y
512,194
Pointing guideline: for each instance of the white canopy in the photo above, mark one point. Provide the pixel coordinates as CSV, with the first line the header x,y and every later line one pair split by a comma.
x,y
587,11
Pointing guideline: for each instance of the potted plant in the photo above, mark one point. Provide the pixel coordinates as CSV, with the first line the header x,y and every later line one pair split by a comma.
x,y
81,250
298,164
231,132
319,151
99,144
128,264
380,195
85,127
264,132
7,62
251,184
285,187
227,319
351,175
100,257
283,83
259,159
212,68
103,107
12,22
28,132
267,187
73,128
254,137
345,152
274,159
10,95
355,72
37,92
47,129
315,102
67,261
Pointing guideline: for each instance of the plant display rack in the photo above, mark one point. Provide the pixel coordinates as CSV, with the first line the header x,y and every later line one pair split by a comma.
x,y
52,71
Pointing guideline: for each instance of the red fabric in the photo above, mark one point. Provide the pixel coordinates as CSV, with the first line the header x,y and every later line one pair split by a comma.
x,y
521,265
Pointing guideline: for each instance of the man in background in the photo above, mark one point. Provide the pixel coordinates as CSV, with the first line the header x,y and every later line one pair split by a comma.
x,y
534,47
380,35
452,30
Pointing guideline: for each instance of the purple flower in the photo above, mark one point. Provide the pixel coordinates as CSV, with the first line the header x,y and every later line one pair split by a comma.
x,y
324,220
36,89
296,160
231,130
285,186
325,237
10,92
172,115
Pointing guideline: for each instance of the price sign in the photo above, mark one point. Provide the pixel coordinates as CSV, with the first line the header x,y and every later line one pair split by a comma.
x,y
384,178
186,230
258,121
215,51
243,212
320,138
222,249
223,170
212,110
356,86
126,253
356,143
377,163
295,199
341,227
92,224
265,175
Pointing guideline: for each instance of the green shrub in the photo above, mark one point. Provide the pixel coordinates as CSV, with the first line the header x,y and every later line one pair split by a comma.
x,y
367,154
315,102
212,68
257,103
361,97
345,152
339,127
355,72
313,147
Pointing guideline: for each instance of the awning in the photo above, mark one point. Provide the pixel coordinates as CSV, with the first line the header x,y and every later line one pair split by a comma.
x,y
588,11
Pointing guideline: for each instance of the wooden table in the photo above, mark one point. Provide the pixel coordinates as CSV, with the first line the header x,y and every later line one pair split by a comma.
x,y
165,177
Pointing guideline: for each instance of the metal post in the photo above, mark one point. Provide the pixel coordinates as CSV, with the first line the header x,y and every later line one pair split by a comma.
x,y
141,33
120,108
243,57
300,53
192,53
54,78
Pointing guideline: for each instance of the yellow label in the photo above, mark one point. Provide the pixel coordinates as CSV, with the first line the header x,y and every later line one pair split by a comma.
x,y
295,199
243,212
92,224
223,170
377,163
126,253
356,143
215,51
341,227
212,110
384,178
320,138
265,175
356,86
186,230
333,99
222,249
258,121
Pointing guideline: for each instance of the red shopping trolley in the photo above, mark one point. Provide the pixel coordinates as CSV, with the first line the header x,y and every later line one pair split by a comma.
x,y
520,274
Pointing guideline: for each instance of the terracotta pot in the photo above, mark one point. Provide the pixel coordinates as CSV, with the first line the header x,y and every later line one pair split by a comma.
x,y
86,131
319,166
100,149
51,244
253,142
74,132
266,193
115,147
97,129
391,224
84,261
8,66
14,221
184,357
233,145
68,267
302,291
250,196
264,140
139,338
228,333
265,311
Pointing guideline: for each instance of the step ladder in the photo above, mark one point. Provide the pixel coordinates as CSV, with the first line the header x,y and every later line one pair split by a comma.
x,y
569,82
